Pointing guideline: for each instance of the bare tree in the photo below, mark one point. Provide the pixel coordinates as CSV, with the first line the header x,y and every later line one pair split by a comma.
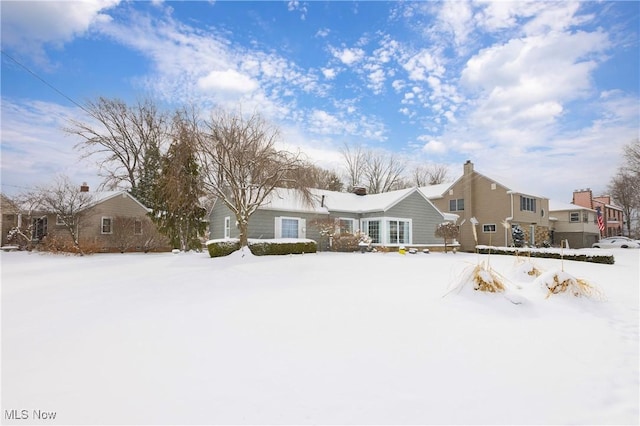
x,y
377,170
123,233
625,189
632,157
355,160
383,172
323,179
27,206
67,202
120,136
242,166
429,175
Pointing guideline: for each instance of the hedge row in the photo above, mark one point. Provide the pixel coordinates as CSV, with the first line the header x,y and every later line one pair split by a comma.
x,y
265,248
548,254
218,248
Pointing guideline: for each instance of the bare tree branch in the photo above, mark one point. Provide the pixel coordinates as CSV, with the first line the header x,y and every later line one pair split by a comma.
x,y
119,137
242,166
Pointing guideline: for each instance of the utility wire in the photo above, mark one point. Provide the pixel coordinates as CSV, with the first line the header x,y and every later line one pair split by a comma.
x,y
45,82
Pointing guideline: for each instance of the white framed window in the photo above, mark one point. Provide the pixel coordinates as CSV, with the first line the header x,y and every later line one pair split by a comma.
x,y
456,205
388,230
574,217
106,226
346,225
372,228
59,220
489,228
398,231
290,227
137,227
527,204
227,227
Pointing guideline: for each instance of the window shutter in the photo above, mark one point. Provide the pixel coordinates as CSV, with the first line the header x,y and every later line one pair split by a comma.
x,y
278,228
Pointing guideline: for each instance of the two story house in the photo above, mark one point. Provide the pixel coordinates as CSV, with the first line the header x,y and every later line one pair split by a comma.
x,y
573,223
612,215
476,197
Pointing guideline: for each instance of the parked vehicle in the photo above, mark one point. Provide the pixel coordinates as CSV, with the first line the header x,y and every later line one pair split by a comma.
x,y
617,242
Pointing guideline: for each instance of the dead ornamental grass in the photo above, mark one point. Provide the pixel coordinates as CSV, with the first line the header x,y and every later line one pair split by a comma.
x,y
562,282
486,279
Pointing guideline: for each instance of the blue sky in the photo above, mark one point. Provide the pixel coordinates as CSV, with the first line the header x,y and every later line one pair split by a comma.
x,y
539,95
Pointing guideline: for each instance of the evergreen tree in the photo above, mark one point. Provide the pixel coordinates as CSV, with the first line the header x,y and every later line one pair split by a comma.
x,y
149,175
177,209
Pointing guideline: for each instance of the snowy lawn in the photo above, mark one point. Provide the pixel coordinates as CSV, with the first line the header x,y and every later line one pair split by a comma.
x,y
313,339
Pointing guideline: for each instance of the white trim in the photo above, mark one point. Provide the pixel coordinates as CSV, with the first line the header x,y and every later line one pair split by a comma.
x,y
495,228
227,227
354,224
302,226
383,228
110,225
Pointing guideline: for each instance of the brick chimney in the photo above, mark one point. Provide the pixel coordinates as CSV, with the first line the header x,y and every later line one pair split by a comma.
x,y
583,198
360,190
84,187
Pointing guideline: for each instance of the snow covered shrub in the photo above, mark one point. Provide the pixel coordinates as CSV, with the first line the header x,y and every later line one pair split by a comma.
x,y
486,279
562,282
345,242
218,248
526,271
274,247
482,277
448,231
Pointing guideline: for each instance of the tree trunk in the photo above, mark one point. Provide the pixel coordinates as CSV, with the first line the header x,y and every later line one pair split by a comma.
x,y
243,227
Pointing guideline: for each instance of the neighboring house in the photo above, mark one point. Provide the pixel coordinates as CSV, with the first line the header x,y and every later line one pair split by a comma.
x,y
405,217
491,203
112,221
8,218
576,224
612,215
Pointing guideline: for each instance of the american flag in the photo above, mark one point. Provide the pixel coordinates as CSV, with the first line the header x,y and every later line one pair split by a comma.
x,y
600,220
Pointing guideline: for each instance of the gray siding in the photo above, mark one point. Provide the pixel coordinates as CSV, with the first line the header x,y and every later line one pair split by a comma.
x,y
425,218
262,223
216,221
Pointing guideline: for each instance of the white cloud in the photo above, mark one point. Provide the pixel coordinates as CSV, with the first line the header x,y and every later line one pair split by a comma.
x,y
434,147
329,73
34,149
519,84
423,64
182,59
348,56
456,17
295,5
322,122
227,81
323,32
28,26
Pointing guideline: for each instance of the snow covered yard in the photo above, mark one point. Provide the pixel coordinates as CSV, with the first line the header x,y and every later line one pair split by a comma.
x,y
313,339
